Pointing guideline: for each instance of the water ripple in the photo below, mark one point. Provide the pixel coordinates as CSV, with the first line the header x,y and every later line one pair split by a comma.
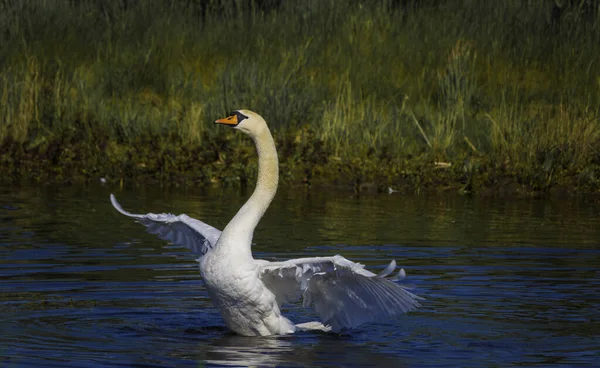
x,y
506,282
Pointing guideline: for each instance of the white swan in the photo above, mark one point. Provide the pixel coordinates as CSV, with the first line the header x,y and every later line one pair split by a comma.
x,y
249,292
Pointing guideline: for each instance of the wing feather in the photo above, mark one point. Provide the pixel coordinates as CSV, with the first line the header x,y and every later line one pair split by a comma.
x,y
182,230
343,293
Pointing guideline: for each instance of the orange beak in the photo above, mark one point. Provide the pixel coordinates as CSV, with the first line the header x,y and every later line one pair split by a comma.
x,y
230,120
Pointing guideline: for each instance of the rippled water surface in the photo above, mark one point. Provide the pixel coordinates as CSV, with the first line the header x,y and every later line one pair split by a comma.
x,y
508,281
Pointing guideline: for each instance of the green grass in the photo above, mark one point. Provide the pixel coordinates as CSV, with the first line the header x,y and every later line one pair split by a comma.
x,y
382,92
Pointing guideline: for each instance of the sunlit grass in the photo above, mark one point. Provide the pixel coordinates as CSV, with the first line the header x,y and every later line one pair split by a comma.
x,y
376,90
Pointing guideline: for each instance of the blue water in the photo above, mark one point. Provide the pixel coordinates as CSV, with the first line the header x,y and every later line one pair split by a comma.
x,y
508,282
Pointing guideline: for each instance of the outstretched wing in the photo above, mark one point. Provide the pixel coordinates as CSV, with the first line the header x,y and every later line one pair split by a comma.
x,y
181,230
344,294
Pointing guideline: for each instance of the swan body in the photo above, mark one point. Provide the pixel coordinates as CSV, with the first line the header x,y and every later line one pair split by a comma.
x,y
249,293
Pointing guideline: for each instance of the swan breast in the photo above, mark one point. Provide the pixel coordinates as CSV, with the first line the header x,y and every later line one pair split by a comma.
x,y
247,306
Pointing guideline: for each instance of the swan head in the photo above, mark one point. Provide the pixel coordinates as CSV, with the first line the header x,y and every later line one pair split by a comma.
x,y
247,121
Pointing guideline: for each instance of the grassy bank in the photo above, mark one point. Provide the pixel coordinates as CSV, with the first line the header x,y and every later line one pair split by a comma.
x,y
458,93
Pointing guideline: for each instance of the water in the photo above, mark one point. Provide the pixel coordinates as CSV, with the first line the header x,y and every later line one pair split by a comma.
x,y
508,282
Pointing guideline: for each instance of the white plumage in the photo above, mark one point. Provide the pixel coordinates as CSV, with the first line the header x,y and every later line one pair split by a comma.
x,y
249,292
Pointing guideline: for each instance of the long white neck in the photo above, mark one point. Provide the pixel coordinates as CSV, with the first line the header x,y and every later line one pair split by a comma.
x,y
237,235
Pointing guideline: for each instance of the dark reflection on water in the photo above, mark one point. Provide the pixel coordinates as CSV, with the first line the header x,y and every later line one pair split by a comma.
x,y
507,281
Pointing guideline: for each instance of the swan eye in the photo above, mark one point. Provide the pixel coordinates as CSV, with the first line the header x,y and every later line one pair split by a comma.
x,y
240,116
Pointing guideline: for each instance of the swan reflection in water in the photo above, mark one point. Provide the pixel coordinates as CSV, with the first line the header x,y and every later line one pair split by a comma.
x,y
249,292
270,351
235,350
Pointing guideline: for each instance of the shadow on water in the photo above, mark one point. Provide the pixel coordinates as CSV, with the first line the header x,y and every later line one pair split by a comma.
x,y
510,282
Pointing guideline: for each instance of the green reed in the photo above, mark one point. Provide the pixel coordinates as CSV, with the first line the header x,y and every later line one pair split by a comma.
x,y
449,92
